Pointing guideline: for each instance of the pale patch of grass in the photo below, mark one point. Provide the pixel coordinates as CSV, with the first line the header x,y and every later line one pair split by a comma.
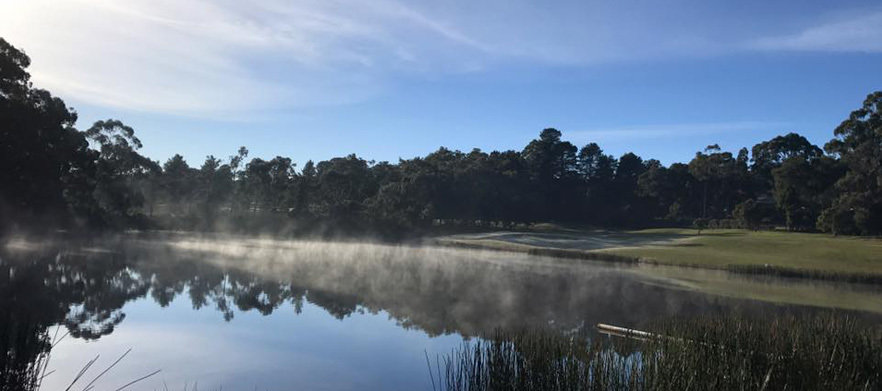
x,y
713,248
722,248
489,244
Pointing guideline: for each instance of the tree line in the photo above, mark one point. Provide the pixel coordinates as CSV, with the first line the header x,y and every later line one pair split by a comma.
x,y
55,175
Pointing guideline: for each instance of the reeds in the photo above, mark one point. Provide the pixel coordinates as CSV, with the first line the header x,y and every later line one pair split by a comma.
x,y
24,348
707,353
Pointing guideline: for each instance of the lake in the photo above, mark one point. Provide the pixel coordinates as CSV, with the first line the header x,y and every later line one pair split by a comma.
x,y
258,313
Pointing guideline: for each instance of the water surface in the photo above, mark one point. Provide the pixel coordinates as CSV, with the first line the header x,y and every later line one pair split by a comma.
x,y
246,313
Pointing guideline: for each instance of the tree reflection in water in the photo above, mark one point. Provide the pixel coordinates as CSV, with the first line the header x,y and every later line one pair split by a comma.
x,y
83,286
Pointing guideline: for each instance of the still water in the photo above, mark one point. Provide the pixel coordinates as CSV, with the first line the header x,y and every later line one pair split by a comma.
x,y
233,313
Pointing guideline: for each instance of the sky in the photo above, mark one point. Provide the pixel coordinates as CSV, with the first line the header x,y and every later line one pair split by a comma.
x,y
389,79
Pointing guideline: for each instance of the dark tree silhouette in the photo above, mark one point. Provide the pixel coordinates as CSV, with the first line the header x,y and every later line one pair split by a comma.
x,y
53,177
858,143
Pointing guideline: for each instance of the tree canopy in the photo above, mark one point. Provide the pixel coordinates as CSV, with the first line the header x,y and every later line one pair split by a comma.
x,y
56,176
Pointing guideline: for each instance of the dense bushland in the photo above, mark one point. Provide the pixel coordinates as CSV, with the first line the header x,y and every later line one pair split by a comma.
x,y
54,175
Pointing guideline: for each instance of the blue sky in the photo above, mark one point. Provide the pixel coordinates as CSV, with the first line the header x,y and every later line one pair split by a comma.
x,y
386,79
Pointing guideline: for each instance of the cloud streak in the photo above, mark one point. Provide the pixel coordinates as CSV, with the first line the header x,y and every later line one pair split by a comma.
x,y
667,131
857,33
205,57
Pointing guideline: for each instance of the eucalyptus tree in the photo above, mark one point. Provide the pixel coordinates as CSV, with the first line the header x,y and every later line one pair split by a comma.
x,y
804,187
674,191
770,154
118,169
344,184
722,177
53,171
305,190
15,81
239,195
628,206
216,181
858,143
179,184
45,161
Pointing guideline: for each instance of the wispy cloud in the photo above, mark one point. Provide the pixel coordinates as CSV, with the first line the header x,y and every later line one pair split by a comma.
x,y
204,56
854,33
220,56
669,131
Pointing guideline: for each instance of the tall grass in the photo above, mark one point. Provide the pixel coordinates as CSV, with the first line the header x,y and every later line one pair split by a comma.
x,y
28,349
24,348
708,353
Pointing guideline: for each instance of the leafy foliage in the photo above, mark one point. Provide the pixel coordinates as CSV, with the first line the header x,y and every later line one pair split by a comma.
x,y
55,175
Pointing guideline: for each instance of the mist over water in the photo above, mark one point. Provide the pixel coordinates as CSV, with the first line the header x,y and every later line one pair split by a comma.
x,y
240,311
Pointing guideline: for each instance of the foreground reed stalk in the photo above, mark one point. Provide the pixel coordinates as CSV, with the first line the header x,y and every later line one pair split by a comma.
x,y
709,353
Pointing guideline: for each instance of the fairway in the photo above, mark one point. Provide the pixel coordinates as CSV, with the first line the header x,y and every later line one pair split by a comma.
x,y
712,249
804,251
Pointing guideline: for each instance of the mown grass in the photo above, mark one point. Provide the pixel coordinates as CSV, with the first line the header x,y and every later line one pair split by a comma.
x,y
728,353
791,254
791,250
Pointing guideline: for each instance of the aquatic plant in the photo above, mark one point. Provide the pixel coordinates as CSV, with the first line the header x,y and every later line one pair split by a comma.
x,y
704,353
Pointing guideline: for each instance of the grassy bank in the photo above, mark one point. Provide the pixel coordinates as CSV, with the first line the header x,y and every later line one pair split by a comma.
x,y
793,250
730,353
773,253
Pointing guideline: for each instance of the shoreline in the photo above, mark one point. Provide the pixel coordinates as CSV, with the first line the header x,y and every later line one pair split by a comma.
x,y
595,255
601,254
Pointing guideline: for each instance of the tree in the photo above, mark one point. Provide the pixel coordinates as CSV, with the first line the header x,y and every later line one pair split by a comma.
x,y
803,189
267,185
629,168
47,167
858,143
14,78
239,196
253,184
597,172
178,183
673,190
722,178
53,173
749,214
771,154
215,187
119,165
552,167
343,186
307,182
549,158
279,196
699,224
594,165
630,208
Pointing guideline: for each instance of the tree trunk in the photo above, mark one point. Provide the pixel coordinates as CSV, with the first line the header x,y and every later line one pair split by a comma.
x,y
704,203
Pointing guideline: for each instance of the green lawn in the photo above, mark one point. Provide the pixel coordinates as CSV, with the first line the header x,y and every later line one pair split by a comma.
x,y
713,248
811,254
719,248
